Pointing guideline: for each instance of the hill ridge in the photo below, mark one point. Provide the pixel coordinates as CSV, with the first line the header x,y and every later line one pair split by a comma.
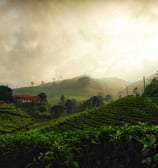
x,y
81,88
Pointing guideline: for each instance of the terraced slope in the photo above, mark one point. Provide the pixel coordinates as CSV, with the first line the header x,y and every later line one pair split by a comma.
x,y
128,109
65,143
13,119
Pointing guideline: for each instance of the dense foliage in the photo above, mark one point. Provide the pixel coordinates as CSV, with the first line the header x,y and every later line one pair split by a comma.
x,y
111,147
96,138
70,106
42,97
13,119
92,102
152,89
5,93
37,110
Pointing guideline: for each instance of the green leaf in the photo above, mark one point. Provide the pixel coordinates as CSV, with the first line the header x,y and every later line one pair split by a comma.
x,y
155,157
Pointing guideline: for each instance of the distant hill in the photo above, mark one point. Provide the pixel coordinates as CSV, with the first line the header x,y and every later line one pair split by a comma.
x,y
80,88
137,84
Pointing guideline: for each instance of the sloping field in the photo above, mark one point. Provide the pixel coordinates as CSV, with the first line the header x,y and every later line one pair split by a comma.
x,y
95,138
129,109
13,119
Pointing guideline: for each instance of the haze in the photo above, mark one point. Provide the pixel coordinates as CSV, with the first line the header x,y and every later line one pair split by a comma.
x,y
45,39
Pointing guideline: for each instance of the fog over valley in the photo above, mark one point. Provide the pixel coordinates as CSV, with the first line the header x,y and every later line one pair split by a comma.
x,y
46,40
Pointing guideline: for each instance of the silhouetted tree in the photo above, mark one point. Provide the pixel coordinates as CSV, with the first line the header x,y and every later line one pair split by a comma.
x,y
94,101
57,111
152,89
54,79
42,97
42,82
108,98
62,100
71,106
32,83
84,81
135,91
5,93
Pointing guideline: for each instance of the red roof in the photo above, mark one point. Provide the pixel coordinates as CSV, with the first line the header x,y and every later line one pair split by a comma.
x,y
24,96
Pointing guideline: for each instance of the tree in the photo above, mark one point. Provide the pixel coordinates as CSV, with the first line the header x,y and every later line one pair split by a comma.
x,y
152,89
54,79
32,83
108,98
71,106
42,82
135,91
42,97
94,101
84,81
5,93
57,111
62,100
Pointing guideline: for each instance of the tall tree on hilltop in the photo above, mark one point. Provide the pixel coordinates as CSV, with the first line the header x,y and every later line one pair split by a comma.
x,y
42,82
32,83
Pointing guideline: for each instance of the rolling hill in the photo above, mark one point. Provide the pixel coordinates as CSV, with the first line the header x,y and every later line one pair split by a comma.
x,y
80,88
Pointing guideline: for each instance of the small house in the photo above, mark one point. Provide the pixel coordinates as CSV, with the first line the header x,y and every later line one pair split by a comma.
x,y
24,98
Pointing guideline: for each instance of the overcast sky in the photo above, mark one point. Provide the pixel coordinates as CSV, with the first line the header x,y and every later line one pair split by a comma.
x,y
45,39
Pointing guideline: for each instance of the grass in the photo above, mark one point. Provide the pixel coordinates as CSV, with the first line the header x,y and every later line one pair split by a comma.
x,y
13,119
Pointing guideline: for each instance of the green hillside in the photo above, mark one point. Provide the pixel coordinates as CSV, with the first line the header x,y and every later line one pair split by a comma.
x,y
128,109
95,138
13,119
80,88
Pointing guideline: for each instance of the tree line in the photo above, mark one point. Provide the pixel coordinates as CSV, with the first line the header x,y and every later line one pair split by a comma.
x,y
42,108
69,106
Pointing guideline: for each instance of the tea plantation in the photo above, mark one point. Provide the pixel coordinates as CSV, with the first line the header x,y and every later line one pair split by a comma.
x,y
13,119
121,134
129,109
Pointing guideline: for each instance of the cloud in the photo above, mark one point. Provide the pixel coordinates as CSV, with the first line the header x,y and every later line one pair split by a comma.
x,y
41,39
